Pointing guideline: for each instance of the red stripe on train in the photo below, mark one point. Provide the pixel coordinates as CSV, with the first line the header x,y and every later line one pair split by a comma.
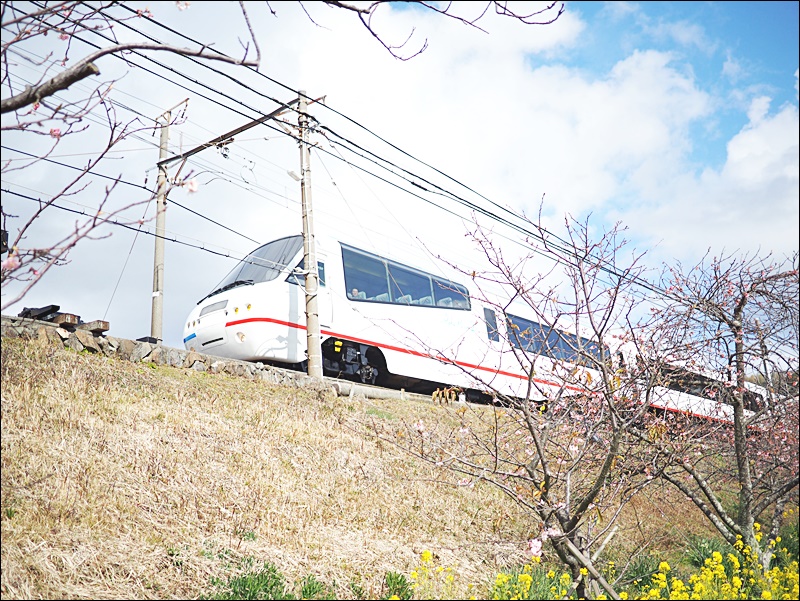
x,y
399,350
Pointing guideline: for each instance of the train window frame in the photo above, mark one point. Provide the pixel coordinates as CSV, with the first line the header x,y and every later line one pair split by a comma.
x,y
365,272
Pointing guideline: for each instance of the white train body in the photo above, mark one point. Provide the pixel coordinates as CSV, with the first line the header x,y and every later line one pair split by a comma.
x,y
403,323
383,321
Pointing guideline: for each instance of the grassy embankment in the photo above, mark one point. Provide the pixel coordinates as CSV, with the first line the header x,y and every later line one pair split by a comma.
x,y
124,480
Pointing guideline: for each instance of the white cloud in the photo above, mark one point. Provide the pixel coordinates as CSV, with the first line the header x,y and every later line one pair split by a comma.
x,y
749,205
731,68
683,33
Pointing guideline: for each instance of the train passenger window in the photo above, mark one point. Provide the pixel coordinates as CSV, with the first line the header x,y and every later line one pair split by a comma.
x,y
568,347
491,324
520,331
592,350
450,294
265,263
364,273
528,335
372,278
408,283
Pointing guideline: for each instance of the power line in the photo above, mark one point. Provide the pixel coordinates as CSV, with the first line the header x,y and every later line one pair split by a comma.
x,y
368,130
125,225
152,192
567,250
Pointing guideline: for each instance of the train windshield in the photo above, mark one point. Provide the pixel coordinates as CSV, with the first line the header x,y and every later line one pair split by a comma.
x,y
264,264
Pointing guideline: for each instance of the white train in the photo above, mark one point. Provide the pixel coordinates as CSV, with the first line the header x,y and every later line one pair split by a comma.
x,y
385,322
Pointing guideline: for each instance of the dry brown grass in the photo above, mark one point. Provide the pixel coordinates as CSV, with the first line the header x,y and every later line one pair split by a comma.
x,y
124,480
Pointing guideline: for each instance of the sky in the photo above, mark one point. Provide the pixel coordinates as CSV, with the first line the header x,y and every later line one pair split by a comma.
x,y
678,120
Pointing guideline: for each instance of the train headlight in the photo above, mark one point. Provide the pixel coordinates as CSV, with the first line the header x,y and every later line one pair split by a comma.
x,y
240,336
236,309
248,306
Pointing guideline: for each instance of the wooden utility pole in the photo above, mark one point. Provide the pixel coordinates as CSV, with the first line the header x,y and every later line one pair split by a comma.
x,y
309,247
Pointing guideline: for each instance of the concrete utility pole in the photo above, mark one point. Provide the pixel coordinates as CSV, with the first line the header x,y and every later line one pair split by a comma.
x,y
156,321
309,247
158,262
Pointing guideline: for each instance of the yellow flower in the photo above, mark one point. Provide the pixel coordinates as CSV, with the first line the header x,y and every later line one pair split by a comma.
x,y
427,556
663,567
584,572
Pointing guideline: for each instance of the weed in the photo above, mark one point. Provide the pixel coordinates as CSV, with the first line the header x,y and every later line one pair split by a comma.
x,y
311,588
357,590
397,586
245,534
788,545
640,570
379,413
266,583
701,547
269,583
175,556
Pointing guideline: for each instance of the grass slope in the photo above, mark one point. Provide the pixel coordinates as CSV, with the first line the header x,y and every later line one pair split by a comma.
x,y
124,480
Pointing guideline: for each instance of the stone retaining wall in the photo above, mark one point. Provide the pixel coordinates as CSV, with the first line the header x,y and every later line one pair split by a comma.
x,y
135,351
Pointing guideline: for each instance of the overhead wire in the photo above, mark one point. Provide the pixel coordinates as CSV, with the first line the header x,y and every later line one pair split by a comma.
x,y
139,186
206,66
486,212
539,236
229,254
